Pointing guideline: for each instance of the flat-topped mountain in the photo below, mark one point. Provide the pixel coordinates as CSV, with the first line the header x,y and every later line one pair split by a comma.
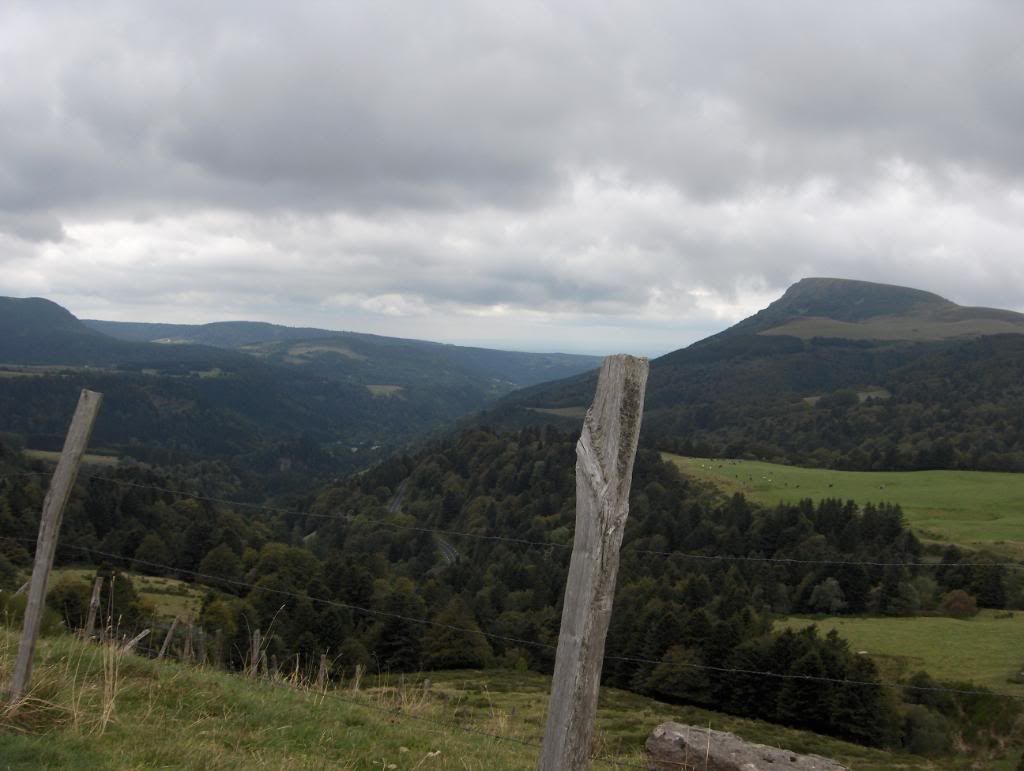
x,y
834,372
862,310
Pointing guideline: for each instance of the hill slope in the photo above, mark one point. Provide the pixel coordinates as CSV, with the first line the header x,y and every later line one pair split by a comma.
x,y
773,386
359,357
286,406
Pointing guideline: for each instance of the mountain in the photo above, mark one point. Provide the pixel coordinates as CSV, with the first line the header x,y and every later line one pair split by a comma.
x,y
273,402
371,360
223,334
861,310
38,332
834,373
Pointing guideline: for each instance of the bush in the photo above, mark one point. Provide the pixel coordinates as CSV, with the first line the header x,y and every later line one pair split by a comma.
x,y
958,604
924,732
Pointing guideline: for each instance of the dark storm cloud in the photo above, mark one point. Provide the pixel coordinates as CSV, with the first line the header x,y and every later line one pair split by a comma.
x,y
564,158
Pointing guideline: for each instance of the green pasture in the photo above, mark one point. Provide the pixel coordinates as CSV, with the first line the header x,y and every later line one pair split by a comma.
x,y
979,509
94,708
88,459
985,650
168,597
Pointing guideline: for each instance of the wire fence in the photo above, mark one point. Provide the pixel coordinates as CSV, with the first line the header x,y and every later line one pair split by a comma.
x,y
449,726
627,551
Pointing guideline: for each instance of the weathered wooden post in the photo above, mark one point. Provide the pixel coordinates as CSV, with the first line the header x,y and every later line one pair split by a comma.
x,y
167,639
321,674
94,605
128,646
188,641
49,528
201,646
604,470
254,660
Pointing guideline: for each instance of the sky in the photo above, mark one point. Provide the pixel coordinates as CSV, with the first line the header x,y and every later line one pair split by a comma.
x,y
590,177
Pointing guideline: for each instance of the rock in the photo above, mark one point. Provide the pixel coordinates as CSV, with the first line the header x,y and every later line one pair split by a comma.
x,y
678,747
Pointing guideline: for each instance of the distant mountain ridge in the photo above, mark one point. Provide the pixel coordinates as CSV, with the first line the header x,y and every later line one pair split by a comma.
x,y
356,356
272,401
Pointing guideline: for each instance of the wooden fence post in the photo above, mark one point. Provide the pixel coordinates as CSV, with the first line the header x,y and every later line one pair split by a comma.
x,y
127,647
188,640
604,470
94,604
321,675
254,658
49,528
167,639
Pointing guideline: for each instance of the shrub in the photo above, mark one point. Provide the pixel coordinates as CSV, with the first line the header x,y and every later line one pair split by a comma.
x,y
958,604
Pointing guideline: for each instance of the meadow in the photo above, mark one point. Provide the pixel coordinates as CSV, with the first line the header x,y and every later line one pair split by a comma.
x,y
88,459
167,596
977,509
92,708
984,650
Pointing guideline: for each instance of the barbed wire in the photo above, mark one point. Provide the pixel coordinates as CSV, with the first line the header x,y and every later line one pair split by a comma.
x,y
626,550
536,643
439,726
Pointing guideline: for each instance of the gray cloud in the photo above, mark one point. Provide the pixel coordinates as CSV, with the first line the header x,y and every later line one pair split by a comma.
x,y
481,165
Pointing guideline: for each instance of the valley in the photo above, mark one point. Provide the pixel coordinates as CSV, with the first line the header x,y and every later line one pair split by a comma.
x,y
407,507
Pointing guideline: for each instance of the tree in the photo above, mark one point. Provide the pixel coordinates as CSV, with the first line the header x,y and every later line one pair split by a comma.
x,y
222,562
456,642
680,675
827,597
150,554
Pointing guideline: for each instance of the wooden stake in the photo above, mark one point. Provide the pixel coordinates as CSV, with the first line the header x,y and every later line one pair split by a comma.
x,y
94,605
188,639
604,470
201,646
167,639
132,642
53,512
321,675
254,658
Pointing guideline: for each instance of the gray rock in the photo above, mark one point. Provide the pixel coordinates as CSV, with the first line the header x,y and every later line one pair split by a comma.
x,y
679,747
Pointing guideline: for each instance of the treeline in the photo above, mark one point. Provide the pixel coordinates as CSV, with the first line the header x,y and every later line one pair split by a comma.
x,y
365,575
826,402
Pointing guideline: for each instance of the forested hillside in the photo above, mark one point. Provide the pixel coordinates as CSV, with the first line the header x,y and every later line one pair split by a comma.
x,y
758,391
456,558
281,415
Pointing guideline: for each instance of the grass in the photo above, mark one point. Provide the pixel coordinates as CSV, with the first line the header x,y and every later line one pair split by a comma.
x,y
305,349
984,650
894,328
385,390
561,412
92,708
88,459
168,597
978,509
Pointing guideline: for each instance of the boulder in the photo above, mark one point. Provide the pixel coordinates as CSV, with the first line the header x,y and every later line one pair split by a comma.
x,y
679,747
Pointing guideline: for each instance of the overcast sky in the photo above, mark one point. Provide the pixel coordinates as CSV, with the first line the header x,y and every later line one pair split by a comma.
x,y
598,177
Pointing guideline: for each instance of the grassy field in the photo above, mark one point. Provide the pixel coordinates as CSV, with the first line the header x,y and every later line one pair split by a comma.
x,y
95,710
974,508
984,650
89,459
168,596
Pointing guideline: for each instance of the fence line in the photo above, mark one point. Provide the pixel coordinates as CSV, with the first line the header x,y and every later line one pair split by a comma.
x,y
626,550
540,645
